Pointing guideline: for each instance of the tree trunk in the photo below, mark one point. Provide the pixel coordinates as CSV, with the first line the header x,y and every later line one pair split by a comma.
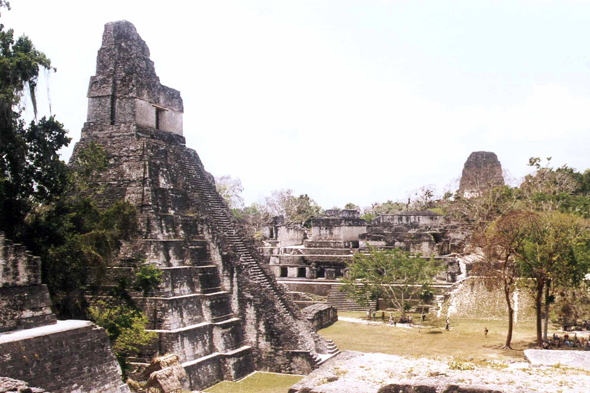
x,y
539,306
510,317
545,328
403,306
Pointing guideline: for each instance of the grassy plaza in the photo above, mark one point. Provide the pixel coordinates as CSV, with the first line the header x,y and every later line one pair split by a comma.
x,y
464,341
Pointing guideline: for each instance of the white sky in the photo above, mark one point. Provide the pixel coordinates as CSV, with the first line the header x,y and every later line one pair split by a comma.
x,y
347,101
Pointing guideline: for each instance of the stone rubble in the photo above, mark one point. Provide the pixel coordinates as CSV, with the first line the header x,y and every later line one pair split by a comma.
x,y
357,372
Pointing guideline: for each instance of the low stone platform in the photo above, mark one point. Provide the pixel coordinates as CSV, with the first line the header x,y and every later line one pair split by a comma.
x,y
357,372
66,357
321,315
574,359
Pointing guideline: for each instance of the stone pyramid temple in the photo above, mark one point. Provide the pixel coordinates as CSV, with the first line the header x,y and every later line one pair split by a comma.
x,y
482,172
218,307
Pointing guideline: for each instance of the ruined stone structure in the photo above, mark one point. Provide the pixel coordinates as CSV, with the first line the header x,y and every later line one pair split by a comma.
x,y
337,229
24,301
165,374
321,315
218,308
320,253
421,232
310,267
482,172
279,232
58,356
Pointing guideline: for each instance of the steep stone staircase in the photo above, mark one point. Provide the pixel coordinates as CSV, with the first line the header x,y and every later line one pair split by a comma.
x,y
222,224
225,228
342,302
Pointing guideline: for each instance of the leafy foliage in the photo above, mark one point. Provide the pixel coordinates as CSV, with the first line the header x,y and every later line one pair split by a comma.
x,y
392,274
555,252
76,239
121,317
51,208
256,215
126,327
31,171
388,207
368,217
147,279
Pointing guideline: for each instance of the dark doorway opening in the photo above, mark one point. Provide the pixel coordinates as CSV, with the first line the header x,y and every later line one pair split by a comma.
x,y
284,272
159,113
321,272
301,272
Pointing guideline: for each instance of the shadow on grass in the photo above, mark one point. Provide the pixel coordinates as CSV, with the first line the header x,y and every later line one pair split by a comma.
x,y
434,332
517,351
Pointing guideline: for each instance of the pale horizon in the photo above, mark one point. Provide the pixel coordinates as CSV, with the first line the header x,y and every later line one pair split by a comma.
x,y
345,101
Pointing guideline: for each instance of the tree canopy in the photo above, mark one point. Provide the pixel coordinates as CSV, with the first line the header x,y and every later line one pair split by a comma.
x,y
31,171
394,274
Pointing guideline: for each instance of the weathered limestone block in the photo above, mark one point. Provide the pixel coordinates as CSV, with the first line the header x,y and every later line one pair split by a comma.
x,y
574,359
70,356
166,375
415,218
482,172
25,307
472,299
18,267
442,388
34,345
9,385
24,302
338,225
321,315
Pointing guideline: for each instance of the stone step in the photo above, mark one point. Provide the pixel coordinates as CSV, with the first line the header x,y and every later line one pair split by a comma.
x,y
222,318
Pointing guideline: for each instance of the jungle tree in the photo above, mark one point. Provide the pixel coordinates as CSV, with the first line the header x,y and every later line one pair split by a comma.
x,y
395,275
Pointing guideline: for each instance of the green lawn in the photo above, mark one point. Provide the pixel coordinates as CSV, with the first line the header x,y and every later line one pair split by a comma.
x,y
259,382
465,339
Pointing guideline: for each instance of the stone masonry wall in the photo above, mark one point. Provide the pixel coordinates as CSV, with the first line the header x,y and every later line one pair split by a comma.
x,y
73,356
472,299
321,315
24,302
65,356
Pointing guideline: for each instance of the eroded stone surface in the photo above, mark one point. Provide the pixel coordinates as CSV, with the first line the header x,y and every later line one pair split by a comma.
x,y
321,315
33,344
24,301
9,385
575,359
482,172
126,89
70,356
357,372
218,308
